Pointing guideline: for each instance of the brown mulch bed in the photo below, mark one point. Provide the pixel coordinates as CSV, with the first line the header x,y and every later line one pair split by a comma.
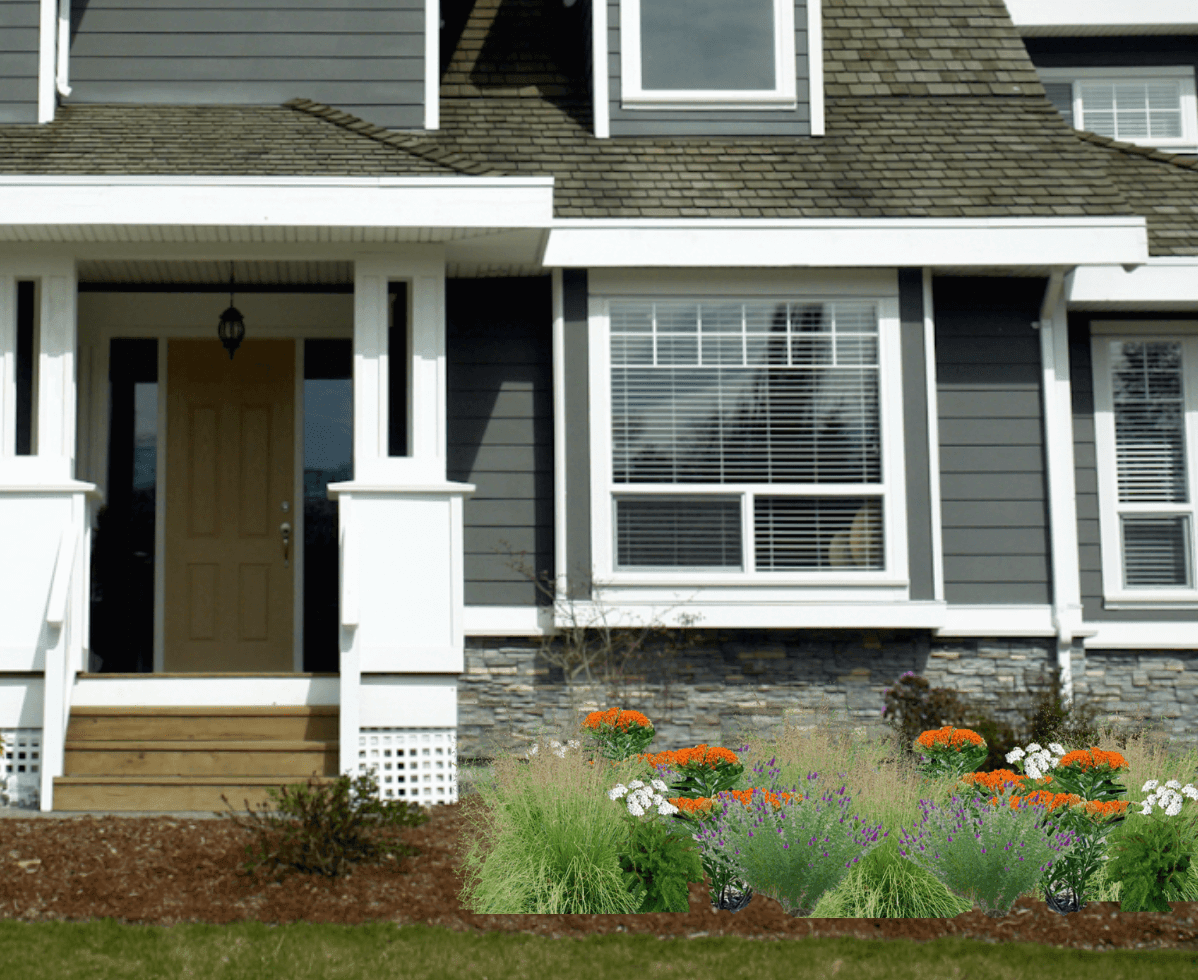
x,y
168,870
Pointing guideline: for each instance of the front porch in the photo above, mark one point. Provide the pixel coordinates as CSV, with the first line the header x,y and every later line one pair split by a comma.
x,y
151,686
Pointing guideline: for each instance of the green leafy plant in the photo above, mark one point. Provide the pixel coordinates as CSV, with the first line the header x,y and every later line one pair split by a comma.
x,y
325,827
1152,851
951,752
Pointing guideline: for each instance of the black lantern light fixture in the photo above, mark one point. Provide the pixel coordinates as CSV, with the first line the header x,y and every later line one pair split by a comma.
x,y
231,328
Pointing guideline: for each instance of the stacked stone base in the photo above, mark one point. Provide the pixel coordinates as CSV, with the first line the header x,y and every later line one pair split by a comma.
x,y
731,682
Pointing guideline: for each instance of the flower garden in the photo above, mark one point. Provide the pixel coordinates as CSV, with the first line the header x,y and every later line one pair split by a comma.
x,y
830,824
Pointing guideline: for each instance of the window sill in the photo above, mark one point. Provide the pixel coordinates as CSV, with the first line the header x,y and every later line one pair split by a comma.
x,y
1190,603
664,580
710,105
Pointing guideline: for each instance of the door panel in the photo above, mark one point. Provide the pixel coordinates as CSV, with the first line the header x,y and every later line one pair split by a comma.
x,y
230,468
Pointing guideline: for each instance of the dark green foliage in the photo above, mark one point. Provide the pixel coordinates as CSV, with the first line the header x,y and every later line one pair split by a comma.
x,y
1151,858
661,864
913,706
324,828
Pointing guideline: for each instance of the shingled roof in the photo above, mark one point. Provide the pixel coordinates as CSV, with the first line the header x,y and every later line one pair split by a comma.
x,y
933,109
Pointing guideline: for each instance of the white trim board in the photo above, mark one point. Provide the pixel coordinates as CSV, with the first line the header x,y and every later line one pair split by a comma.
x,y
1144,636
278,202
1073,18
747,614
1160,283
997,621
845,243
182,690
815,65
508,620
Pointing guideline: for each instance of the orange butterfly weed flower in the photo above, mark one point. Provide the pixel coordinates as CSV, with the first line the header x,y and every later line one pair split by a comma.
x,y
616,718
702,755
995,781
746,796
1095,757
702,805
1041,798
1101,810
949,738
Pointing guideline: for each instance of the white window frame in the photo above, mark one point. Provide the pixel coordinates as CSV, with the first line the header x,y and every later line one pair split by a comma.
x,y
1115,595
1186,143
782,96
824,585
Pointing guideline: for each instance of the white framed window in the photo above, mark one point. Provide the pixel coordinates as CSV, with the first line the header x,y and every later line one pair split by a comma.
x,y
747,441
1151,106
695,54
1146,446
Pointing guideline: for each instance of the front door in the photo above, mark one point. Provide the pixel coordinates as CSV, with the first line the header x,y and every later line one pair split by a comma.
x,y
230,479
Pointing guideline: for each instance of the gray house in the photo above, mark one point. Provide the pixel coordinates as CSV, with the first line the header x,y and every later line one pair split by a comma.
x,y
348,350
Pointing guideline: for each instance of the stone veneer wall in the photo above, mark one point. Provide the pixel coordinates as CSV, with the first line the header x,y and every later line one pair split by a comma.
x,y
757,680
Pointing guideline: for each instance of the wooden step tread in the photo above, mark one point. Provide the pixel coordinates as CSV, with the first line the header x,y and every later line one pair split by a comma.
x,y
184,780
188,745
173,711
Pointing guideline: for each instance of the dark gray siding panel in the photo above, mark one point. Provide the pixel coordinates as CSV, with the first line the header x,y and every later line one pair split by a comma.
x,y
1085,475
705,122
578,425
19,21
915,434
1110,52
500,431
994,518
363,56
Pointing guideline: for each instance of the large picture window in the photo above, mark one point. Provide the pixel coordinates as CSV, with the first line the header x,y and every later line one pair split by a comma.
x,y
1147,436
746,436
690,53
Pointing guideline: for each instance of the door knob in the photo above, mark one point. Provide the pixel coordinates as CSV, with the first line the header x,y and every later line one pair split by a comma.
x,y
285,529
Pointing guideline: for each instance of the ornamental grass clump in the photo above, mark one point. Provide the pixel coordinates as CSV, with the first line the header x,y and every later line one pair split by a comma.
x,y
792,847
987,854
950,752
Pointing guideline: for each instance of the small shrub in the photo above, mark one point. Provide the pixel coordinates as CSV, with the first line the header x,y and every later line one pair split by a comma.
x,y
324,828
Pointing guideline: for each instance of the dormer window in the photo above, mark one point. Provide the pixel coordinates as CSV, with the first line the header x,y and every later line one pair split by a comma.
x,y
695,54
1151,106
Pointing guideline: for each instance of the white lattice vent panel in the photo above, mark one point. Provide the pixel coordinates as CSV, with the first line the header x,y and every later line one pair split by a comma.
x,y
20,779
419,765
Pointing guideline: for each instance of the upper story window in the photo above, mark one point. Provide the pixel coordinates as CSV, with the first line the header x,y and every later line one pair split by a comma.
x,y
708,53
748,438
1146,106
1146,440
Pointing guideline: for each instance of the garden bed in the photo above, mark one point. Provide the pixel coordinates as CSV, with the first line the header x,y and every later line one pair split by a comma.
x,y
163,870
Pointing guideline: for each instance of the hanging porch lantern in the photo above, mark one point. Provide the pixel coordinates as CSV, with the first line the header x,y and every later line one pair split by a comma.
x,y
231,328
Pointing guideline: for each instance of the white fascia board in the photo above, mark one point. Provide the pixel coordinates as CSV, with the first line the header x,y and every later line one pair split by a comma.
x,y
301,202
1142,636
1082,17
852,242
508,620
1166,283
997,621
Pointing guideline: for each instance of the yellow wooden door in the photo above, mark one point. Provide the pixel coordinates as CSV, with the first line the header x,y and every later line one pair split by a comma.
x,y
230,481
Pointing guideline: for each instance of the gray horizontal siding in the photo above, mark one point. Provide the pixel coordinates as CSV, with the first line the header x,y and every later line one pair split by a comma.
x,y
1085,474
500,430
363,56
705,122
19,20
994,520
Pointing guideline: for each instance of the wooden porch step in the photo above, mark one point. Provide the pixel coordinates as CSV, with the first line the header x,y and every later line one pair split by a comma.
x,y
203,724
222,758
161,793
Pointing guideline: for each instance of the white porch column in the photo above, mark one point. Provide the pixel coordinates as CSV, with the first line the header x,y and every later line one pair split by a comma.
x,y
43,509
402,575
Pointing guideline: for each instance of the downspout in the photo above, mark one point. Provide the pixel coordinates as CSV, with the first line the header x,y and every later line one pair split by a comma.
x,y
63,70
1057,417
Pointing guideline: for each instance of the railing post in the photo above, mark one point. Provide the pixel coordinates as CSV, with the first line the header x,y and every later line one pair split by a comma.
x,y
350,663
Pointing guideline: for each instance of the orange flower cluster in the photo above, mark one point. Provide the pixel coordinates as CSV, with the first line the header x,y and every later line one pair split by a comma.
x,y
949,738
616,718
700,754
1041,798
996,781
701,805
746,797
1085,758
1101,810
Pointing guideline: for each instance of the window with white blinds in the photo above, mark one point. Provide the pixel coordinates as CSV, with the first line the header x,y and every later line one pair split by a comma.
x,y
777,401
1152,106
1148,401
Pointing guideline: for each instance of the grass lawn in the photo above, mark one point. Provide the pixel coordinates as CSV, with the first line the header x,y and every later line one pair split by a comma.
x,y
103,950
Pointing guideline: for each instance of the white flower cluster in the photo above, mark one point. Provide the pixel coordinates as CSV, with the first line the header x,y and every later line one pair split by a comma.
x,y
558,749
642,797
1167,797
1039,761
